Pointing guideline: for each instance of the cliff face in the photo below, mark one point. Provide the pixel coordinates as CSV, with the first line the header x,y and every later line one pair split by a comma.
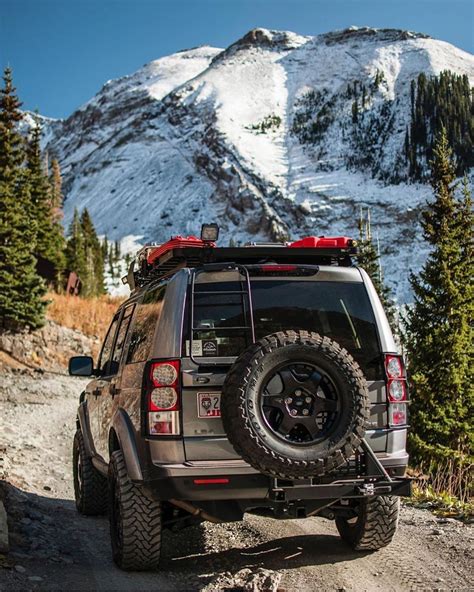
x,y
261,137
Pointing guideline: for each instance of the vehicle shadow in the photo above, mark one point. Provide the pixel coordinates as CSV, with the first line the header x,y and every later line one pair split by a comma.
x,y
288,552
51,539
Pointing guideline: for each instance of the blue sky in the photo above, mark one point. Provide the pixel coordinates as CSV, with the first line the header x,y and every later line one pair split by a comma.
x,y
62,51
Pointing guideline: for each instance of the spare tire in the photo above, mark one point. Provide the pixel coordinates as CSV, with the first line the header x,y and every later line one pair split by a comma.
x,y
295,405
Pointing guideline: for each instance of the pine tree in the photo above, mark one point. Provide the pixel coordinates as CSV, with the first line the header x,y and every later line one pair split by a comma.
x,y
446,100
439,329
110,259
406,146
55,181
93,283
50,242
117,252
368,258
355,111
75,249
105,247
22,290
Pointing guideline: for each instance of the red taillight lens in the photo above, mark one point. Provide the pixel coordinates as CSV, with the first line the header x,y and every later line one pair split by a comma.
x,y
394,367
218,481
280,268
397,392
277,269
165,373
163,398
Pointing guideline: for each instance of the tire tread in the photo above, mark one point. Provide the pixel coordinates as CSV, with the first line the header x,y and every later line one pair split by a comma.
x,y
141,521
92,499
376,526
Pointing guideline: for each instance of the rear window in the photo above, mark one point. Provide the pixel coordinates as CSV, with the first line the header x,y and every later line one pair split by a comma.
x,y
338,310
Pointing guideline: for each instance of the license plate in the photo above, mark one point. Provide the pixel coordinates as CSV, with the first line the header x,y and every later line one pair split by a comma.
x,y
209,404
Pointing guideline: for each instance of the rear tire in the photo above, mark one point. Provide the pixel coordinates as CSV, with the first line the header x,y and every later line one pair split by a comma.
x,y
375,525
90,487
135,520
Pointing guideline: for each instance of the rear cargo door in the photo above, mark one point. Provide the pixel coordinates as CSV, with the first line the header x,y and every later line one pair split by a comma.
x,y
218,318
223,326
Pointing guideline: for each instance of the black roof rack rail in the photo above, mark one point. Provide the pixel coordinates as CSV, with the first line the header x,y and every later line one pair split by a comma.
x,y
155,262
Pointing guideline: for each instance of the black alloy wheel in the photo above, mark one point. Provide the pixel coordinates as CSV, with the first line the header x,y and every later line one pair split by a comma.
x,y
300,403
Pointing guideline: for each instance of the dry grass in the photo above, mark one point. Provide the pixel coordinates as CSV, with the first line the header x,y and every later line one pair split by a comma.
x,y
91,316
446,491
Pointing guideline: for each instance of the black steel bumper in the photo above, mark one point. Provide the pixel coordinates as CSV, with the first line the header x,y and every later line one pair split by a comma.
x,y
260,487
365,477
351,488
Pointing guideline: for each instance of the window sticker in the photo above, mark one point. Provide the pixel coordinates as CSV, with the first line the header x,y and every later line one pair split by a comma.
x,y
209,347
197,347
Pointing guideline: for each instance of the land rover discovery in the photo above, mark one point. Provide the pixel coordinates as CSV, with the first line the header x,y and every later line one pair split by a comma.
x,y
262,378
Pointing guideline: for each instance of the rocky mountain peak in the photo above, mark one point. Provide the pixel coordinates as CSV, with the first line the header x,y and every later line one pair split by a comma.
x,y
371,34
277,136
264,39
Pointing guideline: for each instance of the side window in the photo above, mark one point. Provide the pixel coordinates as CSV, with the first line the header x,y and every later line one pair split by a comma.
x,y
106,352
120,341
147,315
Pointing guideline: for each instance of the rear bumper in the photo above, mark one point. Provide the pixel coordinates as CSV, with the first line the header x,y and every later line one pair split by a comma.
x,y
241,481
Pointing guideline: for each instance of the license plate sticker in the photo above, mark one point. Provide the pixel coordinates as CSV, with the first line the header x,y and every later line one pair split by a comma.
x,y
209,404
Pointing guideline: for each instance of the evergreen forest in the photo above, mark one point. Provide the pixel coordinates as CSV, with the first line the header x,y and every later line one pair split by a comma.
x,y
34,253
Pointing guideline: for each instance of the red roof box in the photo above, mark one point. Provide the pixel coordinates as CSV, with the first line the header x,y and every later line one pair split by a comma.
x,y
177,242
323,242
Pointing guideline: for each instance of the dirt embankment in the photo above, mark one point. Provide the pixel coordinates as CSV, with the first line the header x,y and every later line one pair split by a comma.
x,y
54,548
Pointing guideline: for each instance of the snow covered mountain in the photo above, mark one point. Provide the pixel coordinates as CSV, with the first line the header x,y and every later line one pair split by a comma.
x,y
260,138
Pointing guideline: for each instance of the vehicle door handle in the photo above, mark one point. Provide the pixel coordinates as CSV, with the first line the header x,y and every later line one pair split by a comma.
x,y
114,390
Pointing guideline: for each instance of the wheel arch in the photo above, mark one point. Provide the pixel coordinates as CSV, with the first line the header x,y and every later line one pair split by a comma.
x,y
114,443
122,437
83,421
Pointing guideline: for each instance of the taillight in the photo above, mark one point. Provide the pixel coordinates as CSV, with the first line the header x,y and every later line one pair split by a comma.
x,y
165,423
276,269
218,481
397,414
397,392
394,366
163,398
273,267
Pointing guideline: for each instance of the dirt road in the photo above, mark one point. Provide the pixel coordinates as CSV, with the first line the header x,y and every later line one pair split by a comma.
x,y
53,548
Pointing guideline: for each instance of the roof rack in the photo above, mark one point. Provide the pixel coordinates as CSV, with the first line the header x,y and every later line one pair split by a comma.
x,y
157,261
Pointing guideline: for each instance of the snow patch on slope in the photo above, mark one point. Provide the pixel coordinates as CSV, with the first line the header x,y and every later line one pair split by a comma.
x,y
180,142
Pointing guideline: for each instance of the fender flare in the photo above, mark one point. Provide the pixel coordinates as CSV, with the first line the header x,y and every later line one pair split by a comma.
x,y
83,417
126,436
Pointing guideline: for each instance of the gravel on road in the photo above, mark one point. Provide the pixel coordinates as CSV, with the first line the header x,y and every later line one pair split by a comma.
x,y
54,548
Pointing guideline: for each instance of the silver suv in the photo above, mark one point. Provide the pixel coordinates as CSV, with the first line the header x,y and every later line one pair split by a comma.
x,y
262,378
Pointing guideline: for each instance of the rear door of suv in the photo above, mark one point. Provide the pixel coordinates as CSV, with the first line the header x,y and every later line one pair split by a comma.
x,y
332,302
